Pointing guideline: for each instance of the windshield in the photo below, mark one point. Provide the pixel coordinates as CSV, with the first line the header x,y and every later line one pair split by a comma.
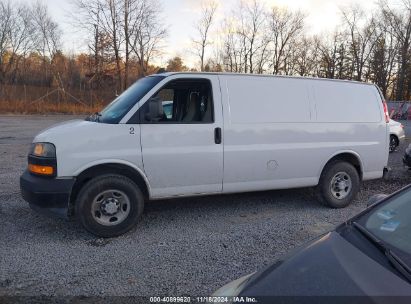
x,y
119,107
391,223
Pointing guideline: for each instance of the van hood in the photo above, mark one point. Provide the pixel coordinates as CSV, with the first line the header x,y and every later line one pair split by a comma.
x,y
60,129
329,266
81,144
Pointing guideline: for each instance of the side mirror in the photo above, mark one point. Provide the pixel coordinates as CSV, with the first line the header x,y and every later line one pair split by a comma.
x,y
155,110
376,198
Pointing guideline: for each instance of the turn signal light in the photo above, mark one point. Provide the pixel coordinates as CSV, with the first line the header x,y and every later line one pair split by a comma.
x,y
43,170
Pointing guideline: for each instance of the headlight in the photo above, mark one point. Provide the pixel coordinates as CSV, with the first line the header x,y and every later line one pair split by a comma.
x,y
233,288
43,150
42,159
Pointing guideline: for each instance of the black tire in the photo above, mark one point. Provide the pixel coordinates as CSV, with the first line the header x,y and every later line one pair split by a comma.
x,y
393,143
92,191
324,189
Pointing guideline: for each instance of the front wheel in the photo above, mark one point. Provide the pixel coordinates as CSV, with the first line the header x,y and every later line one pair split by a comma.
x,y
109,205
339,184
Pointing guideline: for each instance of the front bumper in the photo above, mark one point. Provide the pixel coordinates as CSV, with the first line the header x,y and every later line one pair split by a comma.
x,y
47,195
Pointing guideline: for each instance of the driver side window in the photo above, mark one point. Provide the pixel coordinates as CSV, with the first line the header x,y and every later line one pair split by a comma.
x,y
180,101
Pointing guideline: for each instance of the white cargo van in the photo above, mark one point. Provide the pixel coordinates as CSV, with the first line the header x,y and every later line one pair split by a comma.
x,y
185,134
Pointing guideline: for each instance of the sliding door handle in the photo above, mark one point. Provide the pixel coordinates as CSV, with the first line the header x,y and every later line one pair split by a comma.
x,y
217,136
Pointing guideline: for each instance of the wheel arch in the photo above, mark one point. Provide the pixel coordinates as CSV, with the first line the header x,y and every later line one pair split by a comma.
x,y
394,135
111,167
349,156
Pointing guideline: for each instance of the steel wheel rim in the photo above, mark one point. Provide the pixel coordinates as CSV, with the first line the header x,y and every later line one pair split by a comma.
x,y
341,185
110,207
393,144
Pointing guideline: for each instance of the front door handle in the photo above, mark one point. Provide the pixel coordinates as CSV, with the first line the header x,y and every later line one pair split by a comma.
x,y
217,136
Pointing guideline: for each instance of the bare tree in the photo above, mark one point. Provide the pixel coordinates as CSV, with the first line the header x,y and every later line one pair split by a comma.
x,y
125,37
128,10
305,57
245,44
332,56
362,38
48,36
382,62
22,33
104,19
111,22
230,47
400,24
133,28
87,19
285,27
103,22
251,29
202,27
6,16
148,33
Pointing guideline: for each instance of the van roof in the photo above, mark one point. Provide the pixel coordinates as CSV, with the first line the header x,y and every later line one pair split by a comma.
x,y
260,75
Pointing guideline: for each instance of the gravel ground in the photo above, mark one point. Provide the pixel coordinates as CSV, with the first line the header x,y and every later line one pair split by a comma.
x,y
186,246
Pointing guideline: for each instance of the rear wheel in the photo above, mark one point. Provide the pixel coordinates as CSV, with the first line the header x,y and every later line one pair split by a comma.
x,y
339,184
393,143
109,205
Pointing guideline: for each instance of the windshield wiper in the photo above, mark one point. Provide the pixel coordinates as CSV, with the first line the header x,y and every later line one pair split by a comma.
x,y
394,259
94,117
97,115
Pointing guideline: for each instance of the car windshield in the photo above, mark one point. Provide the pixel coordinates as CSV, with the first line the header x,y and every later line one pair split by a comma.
x,y
115,111
391,223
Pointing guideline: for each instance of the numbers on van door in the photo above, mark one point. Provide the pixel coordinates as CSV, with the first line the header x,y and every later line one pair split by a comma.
x,y
132,130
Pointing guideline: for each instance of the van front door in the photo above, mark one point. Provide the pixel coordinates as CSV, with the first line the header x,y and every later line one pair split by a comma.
x,y
180,137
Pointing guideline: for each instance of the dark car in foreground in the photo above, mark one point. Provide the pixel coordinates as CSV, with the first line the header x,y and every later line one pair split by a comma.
x,y
367,259
407,157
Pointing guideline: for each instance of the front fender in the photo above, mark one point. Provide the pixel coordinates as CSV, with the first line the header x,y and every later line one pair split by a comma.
x,y
114,161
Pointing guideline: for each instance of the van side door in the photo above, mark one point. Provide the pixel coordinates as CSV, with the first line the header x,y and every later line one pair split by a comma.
x,y
181,137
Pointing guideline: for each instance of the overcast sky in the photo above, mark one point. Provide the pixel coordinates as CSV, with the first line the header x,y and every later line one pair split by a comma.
x,y
179,16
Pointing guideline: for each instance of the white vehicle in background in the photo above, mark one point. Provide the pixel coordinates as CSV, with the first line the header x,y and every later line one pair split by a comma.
x,y
186,134
397,134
